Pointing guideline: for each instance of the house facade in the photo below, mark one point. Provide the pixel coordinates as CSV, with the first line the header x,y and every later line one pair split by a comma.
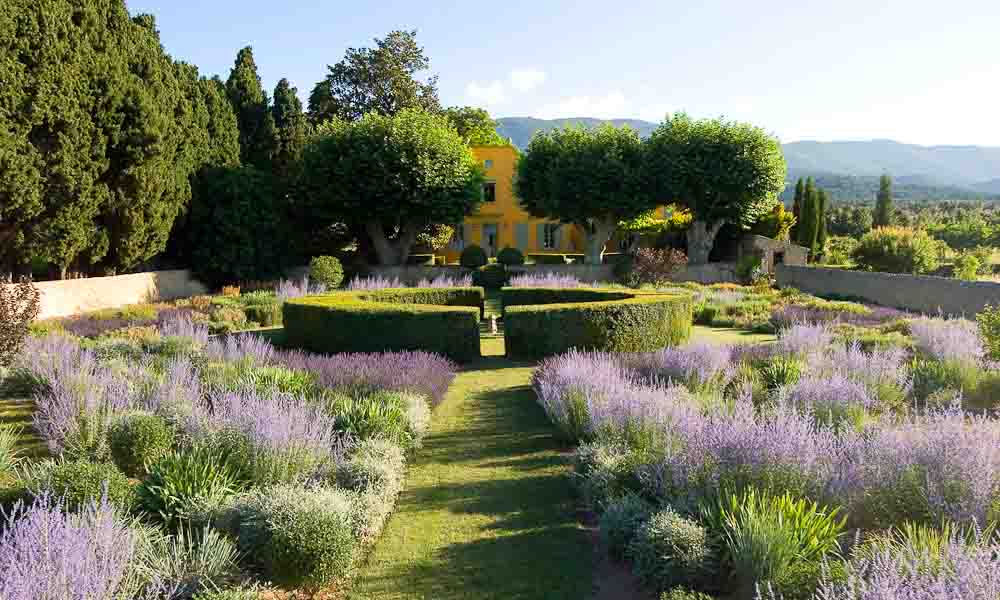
x,y
500,221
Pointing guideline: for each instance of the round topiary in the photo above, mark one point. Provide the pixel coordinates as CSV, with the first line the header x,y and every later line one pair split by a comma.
x,y
473,257
326,270
510,257
493,276
139,440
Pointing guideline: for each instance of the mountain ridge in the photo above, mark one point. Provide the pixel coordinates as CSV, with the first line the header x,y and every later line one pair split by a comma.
x,y
949,169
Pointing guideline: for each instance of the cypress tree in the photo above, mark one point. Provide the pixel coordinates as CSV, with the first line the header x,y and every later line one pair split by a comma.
x,y
824,201
291,127
797,208
256,125
883,203
92,177
808,215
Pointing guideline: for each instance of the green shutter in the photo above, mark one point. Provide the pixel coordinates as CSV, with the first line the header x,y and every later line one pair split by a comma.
x,y
522,237
557,237
540,241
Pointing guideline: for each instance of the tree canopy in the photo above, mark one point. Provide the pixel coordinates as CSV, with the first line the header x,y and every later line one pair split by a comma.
x,y
475,125
393,175
379,80
291,127
257,132
589,177
92,177
723,171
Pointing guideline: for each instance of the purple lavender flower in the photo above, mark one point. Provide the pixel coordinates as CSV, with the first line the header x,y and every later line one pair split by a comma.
x,y
697,364
804,340
361,374
884,372
960,570
828,395
288,289
948,339
374,282
444,281
246,346
289,439
46,552
79,396
546,280
180,324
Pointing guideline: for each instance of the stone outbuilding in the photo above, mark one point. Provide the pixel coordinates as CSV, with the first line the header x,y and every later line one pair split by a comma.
x,y
773,252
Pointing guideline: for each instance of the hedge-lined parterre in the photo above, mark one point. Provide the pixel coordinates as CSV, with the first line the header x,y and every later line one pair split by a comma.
x,y
541,322
441,320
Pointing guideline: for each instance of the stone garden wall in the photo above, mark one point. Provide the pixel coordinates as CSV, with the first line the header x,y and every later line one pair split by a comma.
x,y
921,293
74,296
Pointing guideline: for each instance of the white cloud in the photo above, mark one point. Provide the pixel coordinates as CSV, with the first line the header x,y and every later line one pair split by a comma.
x,y
486,94
525,80
610,106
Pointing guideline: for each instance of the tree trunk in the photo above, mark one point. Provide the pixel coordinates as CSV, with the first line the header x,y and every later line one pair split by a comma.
x,y
392,252
597,235
700,239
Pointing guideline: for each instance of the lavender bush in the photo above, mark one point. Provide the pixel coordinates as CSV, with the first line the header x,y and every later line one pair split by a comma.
x,y
546,280
284,438
288,288
948,339
957,570
920,467
360,374
374,282
378,282
699,366
444,281
48,553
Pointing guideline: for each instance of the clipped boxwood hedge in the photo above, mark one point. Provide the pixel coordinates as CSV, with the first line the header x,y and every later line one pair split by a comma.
x,y
441,320
539,322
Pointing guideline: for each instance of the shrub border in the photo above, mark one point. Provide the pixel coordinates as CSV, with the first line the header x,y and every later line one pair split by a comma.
x,y
540,322
441,320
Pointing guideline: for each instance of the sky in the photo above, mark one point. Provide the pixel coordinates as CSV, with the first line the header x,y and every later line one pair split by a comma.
x,y
914,71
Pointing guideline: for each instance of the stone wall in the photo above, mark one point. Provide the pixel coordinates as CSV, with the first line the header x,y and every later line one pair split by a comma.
x,y
75,296
716,272
920,293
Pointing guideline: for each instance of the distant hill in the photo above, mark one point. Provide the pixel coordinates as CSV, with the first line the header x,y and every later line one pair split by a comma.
x,y
520,129
988,187
853,188
948,165
850,170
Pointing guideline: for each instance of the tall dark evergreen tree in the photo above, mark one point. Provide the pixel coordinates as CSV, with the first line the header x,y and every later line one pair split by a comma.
x,y
823,205
797,207
808,215
257,134
291,127
92,177
382,80
883,203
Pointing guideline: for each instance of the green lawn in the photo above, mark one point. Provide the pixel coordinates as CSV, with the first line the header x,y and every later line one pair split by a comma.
x,y
727,335
488,510
18,412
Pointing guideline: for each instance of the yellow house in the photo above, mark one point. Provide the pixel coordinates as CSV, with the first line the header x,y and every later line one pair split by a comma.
x,y
500,221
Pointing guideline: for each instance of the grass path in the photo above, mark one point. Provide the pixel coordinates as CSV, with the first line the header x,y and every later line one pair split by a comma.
x,y
487,511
